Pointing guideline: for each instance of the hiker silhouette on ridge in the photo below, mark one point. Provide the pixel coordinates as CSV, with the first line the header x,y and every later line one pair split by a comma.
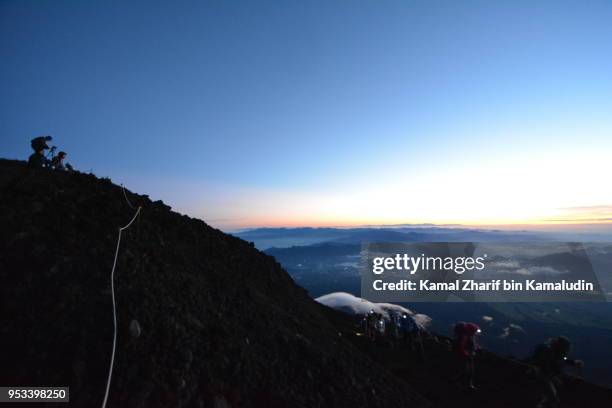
x,y
550,359
57,162
465,344
38,160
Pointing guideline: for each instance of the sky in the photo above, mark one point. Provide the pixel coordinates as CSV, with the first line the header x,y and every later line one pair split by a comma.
x,y
293,113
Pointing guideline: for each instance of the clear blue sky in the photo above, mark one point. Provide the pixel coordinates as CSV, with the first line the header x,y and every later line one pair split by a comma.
x,y
290,112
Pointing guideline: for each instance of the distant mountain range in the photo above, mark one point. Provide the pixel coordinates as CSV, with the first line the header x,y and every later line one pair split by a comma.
x,y
265,238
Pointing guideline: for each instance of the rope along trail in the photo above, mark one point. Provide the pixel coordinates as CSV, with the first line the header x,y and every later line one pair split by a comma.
x,y
126,198
110,370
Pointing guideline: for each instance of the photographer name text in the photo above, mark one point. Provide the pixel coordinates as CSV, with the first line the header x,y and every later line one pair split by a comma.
x,y
493,285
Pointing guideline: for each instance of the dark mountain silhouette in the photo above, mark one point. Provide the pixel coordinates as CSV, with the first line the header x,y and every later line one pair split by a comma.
x,y
218,323
221,323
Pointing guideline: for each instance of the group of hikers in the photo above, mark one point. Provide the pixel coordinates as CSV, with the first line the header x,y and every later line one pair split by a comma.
x,y
44,155
399,329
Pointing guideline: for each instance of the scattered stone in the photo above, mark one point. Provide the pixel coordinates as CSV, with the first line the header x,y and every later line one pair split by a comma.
x,y
135,329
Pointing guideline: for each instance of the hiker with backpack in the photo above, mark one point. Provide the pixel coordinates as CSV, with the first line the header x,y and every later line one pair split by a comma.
x,y
409,330
393,334
57,162
550,359
38,159
465,345
379,326
370,323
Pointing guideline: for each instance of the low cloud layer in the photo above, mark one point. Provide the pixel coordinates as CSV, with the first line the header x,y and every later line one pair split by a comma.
x,y
348,303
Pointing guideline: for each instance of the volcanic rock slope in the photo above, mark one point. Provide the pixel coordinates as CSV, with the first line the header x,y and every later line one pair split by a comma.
x,y
214,322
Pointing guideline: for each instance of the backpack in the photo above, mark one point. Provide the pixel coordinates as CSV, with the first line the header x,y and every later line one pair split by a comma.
x,y
464,341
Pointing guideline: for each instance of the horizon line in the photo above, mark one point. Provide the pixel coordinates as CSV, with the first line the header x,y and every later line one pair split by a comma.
x,y
523,226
